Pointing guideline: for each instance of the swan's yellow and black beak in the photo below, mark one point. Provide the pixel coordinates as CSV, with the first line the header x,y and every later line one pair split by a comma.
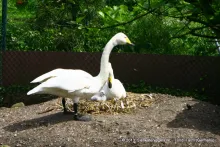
x,y
110,82
128,41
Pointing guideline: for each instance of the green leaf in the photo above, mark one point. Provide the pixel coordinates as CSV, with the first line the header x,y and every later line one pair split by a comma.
x,y
115,8
123,8
79,19
101,14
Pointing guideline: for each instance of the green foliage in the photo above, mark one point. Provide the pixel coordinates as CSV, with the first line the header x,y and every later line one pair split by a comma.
x,y
155,26
114,15
167,34
154,40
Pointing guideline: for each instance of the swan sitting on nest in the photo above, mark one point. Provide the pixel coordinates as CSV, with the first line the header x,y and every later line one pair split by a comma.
x,y
113,88
77,83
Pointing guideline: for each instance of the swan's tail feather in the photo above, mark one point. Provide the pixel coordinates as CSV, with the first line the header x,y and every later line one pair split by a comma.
x,y
35,90
47,76
39,80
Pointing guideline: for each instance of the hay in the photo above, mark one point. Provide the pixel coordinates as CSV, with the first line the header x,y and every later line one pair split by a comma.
x,y
126,105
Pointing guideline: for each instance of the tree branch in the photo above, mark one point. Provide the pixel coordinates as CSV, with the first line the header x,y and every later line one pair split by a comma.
x,y
186,25
179,36
127,22
204,36
196,20
192,32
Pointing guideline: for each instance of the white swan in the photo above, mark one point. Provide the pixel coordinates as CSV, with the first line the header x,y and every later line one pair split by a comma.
x,y
113,88
76,84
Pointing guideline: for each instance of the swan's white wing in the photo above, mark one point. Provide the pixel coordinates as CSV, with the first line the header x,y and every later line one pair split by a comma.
x,y
117,91
60,72
62,83
68,83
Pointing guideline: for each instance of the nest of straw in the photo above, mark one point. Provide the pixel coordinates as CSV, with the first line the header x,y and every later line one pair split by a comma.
x,y
125,105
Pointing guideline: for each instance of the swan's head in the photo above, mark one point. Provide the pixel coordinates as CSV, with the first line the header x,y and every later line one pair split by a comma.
x,y
121,39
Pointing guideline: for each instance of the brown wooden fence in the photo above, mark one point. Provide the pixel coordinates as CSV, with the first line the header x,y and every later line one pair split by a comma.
x,y
184,72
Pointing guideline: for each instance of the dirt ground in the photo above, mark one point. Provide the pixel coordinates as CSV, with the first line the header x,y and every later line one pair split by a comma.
x,y
170,121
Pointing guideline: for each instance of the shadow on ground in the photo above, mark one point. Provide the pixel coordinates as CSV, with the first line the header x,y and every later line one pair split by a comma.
x,y
199,116
13,98
39,122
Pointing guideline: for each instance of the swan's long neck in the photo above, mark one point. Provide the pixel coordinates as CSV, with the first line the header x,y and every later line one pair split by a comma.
x,y
104,72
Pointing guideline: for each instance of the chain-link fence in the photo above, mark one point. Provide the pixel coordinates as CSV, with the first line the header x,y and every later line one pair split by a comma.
x,y
183,72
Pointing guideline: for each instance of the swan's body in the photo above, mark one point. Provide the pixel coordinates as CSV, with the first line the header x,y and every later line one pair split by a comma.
x,y
74,85
116,90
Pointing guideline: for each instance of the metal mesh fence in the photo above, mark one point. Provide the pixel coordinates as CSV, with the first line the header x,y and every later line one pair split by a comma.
x,y
184,72
1,68
21,67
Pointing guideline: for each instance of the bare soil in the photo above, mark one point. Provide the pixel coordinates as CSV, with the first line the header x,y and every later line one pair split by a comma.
x,y
169,121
